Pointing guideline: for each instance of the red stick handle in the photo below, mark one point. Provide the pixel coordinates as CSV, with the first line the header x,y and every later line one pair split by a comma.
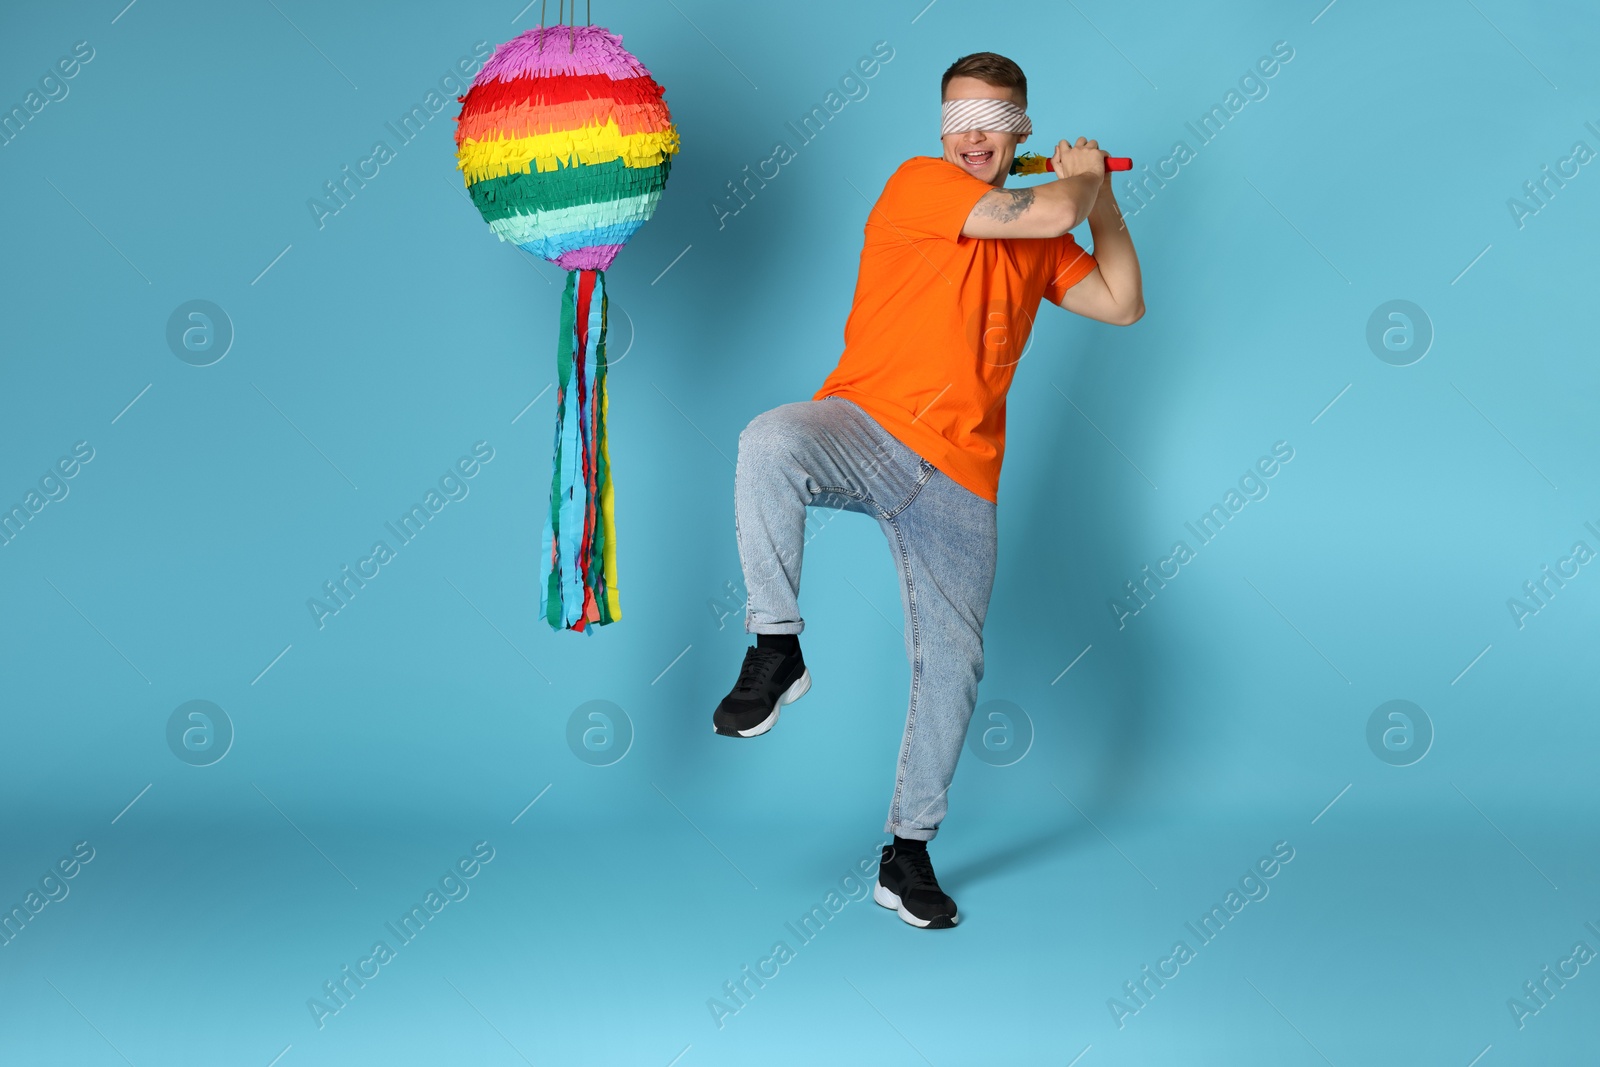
x,y
1112,163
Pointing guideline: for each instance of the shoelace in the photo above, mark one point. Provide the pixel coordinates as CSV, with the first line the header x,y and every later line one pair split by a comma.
x,y
919,871
757,662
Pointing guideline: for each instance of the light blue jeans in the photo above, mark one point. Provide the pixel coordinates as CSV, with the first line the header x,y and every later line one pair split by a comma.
x,y
831,453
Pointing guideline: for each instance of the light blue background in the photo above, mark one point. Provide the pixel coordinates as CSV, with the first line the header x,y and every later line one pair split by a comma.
x,y
430,712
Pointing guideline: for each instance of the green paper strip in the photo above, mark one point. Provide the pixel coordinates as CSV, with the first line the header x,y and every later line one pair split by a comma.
x,y
553,607
514,194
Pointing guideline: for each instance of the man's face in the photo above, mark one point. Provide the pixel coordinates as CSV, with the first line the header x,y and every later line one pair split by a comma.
x,y
985,154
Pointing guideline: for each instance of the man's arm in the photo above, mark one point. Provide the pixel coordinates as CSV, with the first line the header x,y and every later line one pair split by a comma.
x,y
1114,291
1047,210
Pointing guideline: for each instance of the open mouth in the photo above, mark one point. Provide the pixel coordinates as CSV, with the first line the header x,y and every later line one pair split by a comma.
x,y
977,160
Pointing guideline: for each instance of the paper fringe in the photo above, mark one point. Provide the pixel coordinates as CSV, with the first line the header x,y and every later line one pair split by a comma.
x,y
515,122
568,100
528,193
579,567
496,157
549,234
549,87
592,257
562,50
1028,163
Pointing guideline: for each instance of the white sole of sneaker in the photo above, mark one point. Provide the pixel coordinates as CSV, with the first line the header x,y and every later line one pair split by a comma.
x,y
795,691
884,896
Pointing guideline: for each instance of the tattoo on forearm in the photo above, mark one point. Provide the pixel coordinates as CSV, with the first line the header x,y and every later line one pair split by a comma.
x,y
1005,205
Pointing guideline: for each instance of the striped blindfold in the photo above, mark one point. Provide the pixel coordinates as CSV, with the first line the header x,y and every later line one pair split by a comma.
x,y
984,114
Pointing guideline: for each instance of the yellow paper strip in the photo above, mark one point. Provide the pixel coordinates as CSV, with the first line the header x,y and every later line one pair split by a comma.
x,y
550,151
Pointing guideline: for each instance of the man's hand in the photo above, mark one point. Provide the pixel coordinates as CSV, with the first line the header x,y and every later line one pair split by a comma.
x,y
1085,157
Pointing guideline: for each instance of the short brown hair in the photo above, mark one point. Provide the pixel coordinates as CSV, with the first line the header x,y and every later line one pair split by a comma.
x,y
990,67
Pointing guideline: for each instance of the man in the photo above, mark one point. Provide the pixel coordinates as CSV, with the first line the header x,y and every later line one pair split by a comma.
x,y
910,429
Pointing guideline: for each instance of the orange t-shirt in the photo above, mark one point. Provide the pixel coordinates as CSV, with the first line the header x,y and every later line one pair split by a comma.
x,y
939,320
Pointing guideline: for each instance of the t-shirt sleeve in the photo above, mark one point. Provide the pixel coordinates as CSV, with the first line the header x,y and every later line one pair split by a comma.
x,y
1072,266
928,198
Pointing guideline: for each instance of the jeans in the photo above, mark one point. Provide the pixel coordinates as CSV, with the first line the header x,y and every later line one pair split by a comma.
x,y
831,453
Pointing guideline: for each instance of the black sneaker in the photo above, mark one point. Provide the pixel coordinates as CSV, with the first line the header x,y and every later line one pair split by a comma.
x,y
768,680
906,884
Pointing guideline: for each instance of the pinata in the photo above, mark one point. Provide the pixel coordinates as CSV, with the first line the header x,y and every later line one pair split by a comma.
x,y
565,142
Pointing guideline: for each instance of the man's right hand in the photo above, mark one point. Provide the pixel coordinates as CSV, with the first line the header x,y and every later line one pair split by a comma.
x,y
1085,157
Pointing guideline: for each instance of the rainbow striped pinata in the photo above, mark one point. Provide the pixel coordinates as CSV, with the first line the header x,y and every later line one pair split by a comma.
x,y
565,143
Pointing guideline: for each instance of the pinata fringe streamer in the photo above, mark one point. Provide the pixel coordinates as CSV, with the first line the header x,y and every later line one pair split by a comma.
x,y
578,583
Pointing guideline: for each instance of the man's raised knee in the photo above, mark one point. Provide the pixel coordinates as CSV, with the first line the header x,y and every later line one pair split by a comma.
x,y
770,432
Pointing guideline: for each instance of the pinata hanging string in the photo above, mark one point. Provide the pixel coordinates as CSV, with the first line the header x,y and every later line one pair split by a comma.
x,y
542,4
572,38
